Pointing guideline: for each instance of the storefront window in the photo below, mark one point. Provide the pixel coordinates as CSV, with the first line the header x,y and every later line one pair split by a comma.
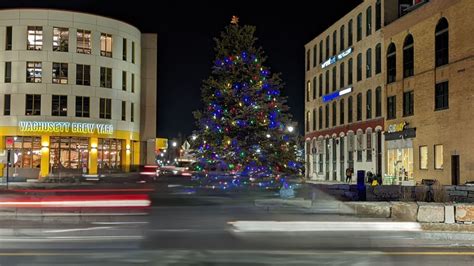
x,y
26,152
400,163
68,153
109,154
423,157
438,156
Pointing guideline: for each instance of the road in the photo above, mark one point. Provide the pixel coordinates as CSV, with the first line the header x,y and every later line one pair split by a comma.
x,y
184,228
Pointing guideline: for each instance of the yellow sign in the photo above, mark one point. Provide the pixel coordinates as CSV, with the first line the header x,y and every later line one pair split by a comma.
x,y
397,127
65,127
161,143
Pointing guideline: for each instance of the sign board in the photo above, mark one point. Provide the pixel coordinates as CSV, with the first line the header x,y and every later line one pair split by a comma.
x,y
65,127
161,144
397,127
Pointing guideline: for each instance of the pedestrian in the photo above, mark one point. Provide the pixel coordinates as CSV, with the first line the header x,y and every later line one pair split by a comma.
x,y
349,175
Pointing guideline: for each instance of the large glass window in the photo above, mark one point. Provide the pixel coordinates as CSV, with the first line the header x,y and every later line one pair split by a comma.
x,y
359,27
33,104
84,45
349,34
82,106
408,66
109,154
368,21
68,153
83,75
35,38
60,39
368,63
59,105
442,43
378,58
60,71
34,72
105,108
27,152
438,152
391,63
8,72
400,163
442,96
408,103
8,38
424,157
391,107
378,102
106,44
105,77
359,67
368,110
359,107
7,99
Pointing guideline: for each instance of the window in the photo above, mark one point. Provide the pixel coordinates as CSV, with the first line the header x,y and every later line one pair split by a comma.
x,y
34,72
442,96
327,81
124,49
60,73
33,104
334,43
349,34
26,149
391,107
368,63
60,39
133,52
327,115
7,102
359,139
105,77
408,57
408,103
308,90
442,43
359,27
106,44
132,112
124,80
368,145
320,51
133,83
341,112
308,114
378,15
320,85
341,75
378,58
124,110
8,72
334,114
109,153
84,41
315,83
368,21
423,157
368,111
83,75
8,38
438,152
341,40
359,67
35,38
105,108
359,107
308,55
378,102
334,78
315,53
349,72
314,119
349,110
391,63
82,106
59,105
320,117
327,47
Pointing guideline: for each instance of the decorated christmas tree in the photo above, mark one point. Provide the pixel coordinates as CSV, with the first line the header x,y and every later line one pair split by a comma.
x,y
245,125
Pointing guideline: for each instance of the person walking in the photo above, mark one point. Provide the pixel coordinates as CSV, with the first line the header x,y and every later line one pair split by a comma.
x,y
349,175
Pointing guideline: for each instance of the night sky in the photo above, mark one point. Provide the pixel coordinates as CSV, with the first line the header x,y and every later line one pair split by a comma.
x,y
185,43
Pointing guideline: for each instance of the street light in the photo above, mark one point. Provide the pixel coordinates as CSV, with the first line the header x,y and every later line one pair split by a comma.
x,y
290,129
194,137
174,144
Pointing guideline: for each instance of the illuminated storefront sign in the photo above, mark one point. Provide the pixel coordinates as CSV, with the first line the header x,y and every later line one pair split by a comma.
x,y
333,59
336,94
397,127
65,127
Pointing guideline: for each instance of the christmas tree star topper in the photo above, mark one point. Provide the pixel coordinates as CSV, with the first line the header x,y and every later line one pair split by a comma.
x,y
234,20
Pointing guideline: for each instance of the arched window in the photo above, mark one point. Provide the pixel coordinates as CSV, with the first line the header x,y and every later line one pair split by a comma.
x,y
368,20
378,102
378,58
341,40
349,71
308,120
359,107
334,43
359,67
359,27
315,53
368,105
320,85
327,82
378,15
327,115
315,83
334,78
368,63
308,54
442,43
320,117
368,145
314,119
391,63
341,112
349,34
341,75
349,110
308,90
334,114
408,57
327,47
320,51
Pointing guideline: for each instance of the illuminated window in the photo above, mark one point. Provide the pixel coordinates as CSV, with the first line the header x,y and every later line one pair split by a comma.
x,y
35,38
438,150
60,39
60,73
84,45
27,151
106,44
34,72
423,157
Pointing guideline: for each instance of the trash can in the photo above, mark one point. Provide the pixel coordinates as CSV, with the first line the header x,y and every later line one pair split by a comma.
x,y
361,185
